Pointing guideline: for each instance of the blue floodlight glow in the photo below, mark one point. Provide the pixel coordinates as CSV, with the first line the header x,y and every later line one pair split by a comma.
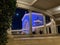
x,y
37,20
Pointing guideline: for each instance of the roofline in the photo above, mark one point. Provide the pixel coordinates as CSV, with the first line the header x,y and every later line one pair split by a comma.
x,y
29,14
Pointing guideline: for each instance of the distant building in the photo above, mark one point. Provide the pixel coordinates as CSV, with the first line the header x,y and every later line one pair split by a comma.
x,y
37,21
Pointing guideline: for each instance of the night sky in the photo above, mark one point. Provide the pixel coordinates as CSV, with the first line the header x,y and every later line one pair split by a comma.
x,y
47,19
17,18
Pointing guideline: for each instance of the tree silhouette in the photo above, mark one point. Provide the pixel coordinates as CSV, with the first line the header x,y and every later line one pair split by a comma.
x,y
7,9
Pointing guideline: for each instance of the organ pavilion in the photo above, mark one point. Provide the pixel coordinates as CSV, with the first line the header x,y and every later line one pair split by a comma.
x,y
38,23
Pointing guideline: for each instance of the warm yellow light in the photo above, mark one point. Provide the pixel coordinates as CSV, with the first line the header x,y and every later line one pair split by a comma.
x,y
27,2
58,8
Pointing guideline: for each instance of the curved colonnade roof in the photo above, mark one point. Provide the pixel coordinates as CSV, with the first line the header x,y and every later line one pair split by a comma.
x,y
49,7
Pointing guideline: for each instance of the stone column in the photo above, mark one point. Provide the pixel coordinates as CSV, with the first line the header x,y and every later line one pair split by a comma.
x,y
37,31
44,25
30,21
52,29
10,30
53,26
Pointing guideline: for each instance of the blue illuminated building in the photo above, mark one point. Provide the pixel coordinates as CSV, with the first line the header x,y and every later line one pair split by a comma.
x,y
37,20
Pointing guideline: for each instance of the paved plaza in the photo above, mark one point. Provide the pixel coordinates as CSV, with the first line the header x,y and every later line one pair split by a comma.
x,y
50,40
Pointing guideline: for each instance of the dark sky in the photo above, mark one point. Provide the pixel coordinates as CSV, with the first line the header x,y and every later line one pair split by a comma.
x,y
47,19
16,21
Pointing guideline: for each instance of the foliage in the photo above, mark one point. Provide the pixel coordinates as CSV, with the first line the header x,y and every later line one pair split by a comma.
x,y
7,9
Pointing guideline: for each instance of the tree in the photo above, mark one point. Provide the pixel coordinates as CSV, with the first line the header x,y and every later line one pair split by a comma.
x,y
7,9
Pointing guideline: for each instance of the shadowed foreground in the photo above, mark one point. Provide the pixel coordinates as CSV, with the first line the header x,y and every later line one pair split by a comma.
x,y
52,40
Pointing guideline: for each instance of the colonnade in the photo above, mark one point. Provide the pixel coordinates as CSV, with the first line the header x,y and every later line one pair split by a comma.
x,y
50,29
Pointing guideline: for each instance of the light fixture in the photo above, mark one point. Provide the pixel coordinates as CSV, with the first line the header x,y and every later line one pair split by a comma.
x,y
27,2
57,8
